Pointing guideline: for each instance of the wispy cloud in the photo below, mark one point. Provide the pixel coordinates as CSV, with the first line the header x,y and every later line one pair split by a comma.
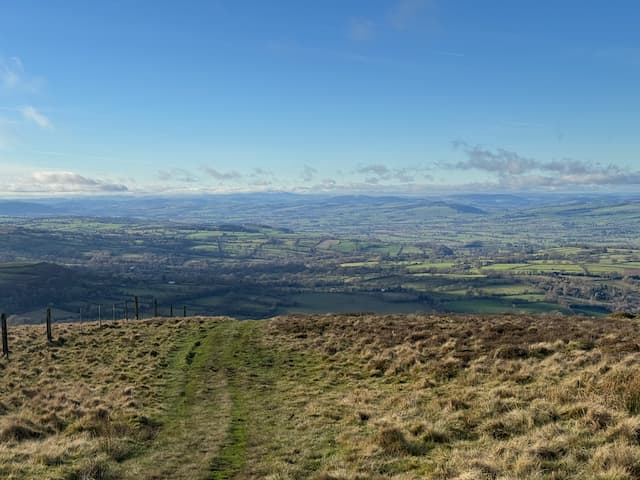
x,y
328,182
221,176
176,175
362,30
11,72
260,182
14,77
515,171
404,175
31,113
377,169
261,172
308,173
377,173
70,182
500,160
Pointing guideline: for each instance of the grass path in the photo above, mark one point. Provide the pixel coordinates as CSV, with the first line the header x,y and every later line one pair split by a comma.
x,y
221,406
257,379
197,421
233,338
235,403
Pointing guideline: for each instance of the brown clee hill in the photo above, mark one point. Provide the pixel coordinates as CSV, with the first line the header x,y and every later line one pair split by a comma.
x,y
332,397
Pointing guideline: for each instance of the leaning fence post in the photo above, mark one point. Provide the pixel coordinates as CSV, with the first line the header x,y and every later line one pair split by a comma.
x,y
155,308
49,336
5,340
137,310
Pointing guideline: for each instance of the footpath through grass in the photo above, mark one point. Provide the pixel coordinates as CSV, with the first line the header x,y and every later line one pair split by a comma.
x,y
231,403
342,397
197,416
266,388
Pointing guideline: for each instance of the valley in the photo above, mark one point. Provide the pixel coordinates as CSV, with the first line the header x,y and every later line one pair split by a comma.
x,y
211,256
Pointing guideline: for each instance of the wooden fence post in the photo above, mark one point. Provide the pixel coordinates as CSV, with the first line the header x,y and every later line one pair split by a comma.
x,y
49,335
126,309
171,311
5,340
155,308
100,315
135,299
184,311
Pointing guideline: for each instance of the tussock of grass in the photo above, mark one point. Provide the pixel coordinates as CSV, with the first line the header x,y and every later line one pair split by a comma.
x,y
80,406
393,442
18,429
95,468
474,397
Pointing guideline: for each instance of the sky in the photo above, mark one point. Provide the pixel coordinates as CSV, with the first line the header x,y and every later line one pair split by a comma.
x,y
336,96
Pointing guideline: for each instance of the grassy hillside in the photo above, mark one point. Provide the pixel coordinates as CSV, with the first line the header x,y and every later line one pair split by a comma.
x,y
340,397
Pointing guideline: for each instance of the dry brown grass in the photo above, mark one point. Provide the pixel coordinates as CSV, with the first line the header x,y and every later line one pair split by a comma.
x,y
501,397
332,397
77,408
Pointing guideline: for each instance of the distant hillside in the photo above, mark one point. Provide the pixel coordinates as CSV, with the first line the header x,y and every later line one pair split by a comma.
x,y
311,212
340,397
241,208
25,209
591,211
21,282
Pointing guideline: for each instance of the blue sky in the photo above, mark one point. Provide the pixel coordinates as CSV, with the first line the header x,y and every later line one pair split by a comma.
x,y
371,96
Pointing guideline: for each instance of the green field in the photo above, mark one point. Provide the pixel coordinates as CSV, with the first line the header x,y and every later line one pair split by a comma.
x,y
221,261
310,303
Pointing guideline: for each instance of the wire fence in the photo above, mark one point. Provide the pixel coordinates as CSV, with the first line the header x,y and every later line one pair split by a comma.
x,y
135,308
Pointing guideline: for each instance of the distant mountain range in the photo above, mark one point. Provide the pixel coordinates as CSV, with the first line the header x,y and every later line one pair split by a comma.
x,y
246,207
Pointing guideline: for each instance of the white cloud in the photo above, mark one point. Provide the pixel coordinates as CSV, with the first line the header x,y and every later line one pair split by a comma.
x,y
70,182
30,113
514,171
